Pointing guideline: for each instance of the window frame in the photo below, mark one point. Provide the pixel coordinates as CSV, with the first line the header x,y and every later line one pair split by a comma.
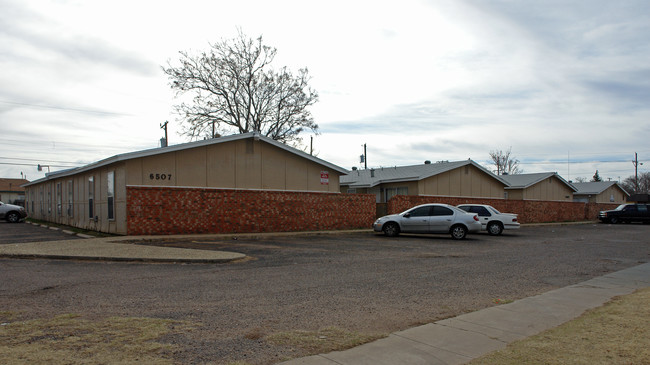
x,y
110,195
91,197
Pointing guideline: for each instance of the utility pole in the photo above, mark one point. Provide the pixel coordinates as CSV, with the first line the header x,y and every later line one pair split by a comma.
x,y
636,174
364,157
164,126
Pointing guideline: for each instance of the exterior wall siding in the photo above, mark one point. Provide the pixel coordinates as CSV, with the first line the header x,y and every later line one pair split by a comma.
x,y
612,191
243,164
162,210
463,181
550,189
528,211
50,200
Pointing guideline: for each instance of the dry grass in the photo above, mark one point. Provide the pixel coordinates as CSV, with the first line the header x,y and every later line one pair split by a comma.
x,y
617,333
69,339
322,341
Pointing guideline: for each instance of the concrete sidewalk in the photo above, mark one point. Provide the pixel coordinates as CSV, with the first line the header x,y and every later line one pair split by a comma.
x,y
111,249
459,340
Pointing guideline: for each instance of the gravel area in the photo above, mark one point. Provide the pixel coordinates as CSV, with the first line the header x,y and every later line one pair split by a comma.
x,y
359,282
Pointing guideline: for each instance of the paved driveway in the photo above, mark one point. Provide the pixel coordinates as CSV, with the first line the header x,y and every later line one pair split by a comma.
x,y
358,282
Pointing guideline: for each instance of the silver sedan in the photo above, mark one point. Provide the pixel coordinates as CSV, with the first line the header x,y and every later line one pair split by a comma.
x,y
429,218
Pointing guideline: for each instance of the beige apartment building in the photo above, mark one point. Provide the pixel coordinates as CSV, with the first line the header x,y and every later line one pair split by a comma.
x,y
600,192
453,179
95,196
547,186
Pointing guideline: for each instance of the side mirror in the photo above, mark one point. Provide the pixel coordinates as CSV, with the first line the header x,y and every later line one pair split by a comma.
x,y
407,215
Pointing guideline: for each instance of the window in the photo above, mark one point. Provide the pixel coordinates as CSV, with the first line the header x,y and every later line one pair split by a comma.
x,y
40,201
391,192
91,197
420,212
438,211
481,211
49,199
59,200
70,198
110,194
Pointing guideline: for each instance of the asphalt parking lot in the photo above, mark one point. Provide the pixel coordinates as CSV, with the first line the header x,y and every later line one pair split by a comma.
x,y
25,232
359,282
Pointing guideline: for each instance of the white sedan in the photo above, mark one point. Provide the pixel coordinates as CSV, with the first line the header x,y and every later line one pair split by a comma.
x,y
492,221
429,218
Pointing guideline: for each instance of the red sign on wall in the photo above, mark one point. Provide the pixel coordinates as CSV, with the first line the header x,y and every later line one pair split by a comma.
x,y
324,178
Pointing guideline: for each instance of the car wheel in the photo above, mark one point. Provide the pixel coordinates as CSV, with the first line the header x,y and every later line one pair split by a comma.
x,y
391,229
613,220
458,232
13,217
494,228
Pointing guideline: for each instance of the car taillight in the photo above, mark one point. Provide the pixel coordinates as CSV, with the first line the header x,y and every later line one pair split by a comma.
x,y
514,219
476,218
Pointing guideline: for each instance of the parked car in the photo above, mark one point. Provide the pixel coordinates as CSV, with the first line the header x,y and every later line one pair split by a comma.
x,y
492,221
429,218
12,213
626,213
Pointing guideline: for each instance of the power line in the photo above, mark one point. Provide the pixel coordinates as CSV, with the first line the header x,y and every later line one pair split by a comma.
x,y
30,164
64,108
40,160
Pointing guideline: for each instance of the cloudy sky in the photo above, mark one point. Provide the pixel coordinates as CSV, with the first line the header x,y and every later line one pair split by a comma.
x,y
564,84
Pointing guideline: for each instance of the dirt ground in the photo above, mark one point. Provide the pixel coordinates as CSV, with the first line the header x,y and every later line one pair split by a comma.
x,y
362,283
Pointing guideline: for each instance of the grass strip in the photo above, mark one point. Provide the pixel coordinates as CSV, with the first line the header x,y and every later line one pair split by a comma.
x,y
616,333
69,339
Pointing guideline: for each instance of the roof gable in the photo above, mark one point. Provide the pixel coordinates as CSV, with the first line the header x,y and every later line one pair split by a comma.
x,y
186,146
596,187
373,177
524,181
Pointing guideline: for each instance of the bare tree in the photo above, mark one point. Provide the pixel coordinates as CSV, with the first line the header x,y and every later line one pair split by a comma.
x,y
234,89
629,184
580,179
505,163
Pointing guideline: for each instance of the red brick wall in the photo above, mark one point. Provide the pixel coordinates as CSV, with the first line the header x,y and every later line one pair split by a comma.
x,y
163,210
528,211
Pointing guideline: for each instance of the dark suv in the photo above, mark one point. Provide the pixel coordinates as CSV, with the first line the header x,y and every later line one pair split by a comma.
x,y
626,213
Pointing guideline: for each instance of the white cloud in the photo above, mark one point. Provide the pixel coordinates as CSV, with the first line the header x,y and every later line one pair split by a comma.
x,y
415,80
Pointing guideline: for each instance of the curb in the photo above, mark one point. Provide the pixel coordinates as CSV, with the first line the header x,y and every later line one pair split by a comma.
x,y
119,259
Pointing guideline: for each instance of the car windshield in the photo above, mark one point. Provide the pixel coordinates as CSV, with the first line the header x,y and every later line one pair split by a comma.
x,y
621,207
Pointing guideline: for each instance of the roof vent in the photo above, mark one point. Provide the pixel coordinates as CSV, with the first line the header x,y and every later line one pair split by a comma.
x,y
372,172
427,162
354,168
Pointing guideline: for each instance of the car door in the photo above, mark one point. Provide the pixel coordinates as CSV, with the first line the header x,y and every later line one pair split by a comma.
x,y
417,220
483,214
643,213
441,219
628,213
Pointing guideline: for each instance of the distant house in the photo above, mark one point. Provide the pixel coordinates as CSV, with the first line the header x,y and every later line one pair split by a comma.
x,y
11,191
457,179
547,186
600,192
